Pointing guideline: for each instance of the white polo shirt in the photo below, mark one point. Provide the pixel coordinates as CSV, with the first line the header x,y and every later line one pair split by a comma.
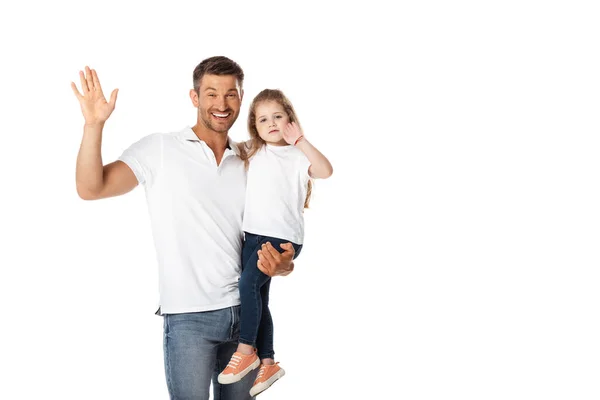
x,y
196,210
277,184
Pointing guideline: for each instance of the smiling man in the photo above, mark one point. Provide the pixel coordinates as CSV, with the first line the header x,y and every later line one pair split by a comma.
x,y
195,188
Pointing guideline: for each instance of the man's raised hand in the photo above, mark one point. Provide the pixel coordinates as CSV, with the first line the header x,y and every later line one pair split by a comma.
x,y
94,106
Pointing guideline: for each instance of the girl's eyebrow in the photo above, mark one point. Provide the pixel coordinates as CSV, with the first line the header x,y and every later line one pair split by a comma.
x,y
277,112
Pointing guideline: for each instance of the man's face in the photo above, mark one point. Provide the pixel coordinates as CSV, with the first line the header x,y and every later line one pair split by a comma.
x,y
218,101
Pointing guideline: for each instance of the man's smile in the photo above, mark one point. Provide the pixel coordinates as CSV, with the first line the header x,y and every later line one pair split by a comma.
x,y
220,116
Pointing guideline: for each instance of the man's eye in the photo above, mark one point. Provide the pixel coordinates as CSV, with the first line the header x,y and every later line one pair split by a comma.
x,y
212,95
232,95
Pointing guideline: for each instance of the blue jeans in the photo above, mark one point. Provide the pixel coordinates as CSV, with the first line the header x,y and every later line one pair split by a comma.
x,y
256,322
197,347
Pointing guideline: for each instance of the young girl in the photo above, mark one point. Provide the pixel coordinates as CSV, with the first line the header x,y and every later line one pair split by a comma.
x,y
281,163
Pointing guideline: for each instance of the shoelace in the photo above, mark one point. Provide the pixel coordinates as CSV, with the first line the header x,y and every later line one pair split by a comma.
x,y
234,362
261,372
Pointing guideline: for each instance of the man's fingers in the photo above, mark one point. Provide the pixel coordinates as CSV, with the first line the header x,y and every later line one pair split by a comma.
x,y
88,78
113,98
75,90
266,252
267,268
262,259
286,246
262,268
271,250
288,250
96,81
84,86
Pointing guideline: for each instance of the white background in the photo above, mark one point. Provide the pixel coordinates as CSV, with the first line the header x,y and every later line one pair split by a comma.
x,y
452,255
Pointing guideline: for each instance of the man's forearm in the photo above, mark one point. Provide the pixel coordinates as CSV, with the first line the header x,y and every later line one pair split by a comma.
x,y
89,172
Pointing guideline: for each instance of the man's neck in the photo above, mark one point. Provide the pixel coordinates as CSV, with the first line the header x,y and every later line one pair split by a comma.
x,y
217,141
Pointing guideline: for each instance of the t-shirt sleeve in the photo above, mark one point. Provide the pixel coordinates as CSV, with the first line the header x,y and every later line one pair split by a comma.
x,y
144,158
303,165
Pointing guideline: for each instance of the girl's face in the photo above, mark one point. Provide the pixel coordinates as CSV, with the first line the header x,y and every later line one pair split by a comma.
x,y
270,120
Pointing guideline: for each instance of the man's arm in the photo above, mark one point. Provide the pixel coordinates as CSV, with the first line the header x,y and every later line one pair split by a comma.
x,y
93,180
273,263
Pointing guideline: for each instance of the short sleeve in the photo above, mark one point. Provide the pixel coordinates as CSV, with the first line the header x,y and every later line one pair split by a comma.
x,y
303,165
144,158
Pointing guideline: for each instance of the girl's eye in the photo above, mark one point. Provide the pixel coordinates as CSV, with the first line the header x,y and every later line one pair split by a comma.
x,y
278,116
262,120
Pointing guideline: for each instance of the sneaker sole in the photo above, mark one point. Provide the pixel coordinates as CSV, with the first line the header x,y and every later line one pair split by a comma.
x,y
229,378
261,387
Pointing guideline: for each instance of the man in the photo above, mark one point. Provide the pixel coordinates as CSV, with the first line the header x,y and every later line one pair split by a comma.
x,y
195,188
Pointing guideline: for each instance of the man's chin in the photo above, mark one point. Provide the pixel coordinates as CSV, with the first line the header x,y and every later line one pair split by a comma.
x,y
218,127
221,128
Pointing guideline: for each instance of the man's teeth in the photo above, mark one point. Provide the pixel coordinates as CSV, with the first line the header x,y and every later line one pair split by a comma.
x,y
220,115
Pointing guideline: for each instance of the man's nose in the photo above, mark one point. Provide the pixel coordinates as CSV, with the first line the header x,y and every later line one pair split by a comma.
x,y
221,104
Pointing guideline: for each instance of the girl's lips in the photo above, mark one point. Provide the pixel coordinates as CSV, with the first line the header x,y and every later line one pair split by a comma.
x,y
274,131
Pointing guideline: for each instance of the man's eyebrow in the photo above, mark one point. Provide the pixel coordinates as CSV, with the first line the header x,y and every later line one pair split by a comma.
x,y
212,88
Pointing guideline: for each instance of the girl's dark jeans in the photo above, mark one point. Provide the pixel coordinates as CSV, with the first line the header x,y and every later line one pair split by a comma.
x,y
256,322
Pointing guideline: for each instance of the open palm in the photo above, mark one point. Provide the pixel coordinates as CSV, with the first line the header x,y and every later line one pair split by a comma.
x,y
93,104
291,132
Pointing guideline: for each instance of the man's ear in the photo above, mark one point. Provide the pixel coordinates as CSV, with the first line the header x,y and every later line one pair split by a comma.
x,y
241,95
194,97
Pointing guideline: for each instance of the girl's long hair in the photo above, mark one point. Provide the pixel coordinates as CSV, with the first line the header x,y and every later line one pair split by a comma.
x,y
256,142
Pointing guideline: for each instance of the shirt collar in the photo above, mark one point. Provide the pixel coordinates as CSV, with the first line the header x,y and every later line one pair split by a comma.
x,y
188,134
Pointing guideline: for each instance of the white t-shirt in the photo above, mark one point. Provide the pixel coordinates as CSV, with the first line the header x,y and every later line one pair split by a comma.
x,y
196,211
275,193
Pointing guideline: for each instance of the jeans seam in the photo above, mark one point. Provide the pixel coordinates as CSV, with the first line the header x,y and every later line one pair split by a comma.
x,y
217,385
168,361
231,326
256,295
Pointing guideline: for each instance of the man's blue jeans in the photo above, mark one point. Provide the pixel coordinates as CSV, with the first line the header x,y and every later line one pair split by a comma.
x,y
197,347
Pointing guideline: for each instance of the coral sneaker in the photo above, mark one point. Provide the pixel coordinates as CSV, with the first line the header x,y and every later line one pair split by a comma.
x,y
267,375
238,367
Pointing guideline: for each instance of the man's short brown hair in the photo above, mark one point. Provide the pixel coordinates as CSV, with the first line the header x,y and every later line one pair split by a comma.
x,y
218,65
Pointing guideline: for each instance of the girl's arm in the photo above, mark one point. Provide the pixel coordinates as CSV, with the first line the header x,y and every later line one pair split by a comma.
x,y
320,167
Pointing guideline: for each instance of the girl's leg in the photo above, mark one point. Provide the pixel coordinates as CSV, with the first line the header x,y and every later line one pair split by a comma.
x,y
250,284
265,331
264,340
244,360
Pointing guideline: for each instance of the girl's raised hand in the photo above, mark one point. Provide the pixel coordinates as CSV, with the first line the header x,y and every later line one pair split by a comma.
x,y
291,133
